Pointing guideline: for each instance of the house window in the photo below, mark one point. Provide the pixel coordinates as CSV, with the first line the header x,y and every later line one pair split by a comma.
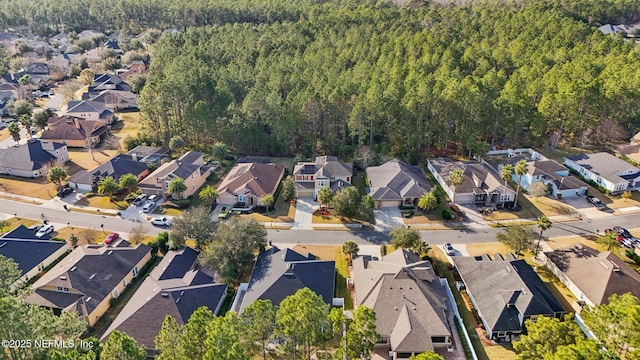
x,y
63,289
115,293
124,283
241,198
135,271
348,179
311,177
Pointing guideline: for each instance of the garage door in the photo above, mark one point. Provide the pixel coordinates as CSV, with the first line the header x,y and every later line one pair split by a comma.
x,y
308,193
389,203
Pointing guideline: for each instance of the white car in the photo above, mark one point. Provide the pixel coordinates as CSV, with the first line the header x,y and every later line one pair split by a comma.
x,y
161,221
148,206
448,249
44,230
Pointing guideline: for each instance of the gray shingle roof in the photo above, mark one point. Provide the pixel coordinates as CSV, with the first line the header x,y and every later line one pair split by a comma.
x,y
327,166
477,176
176,287
92,270
407,297
598,275
493,283
29,156
28,253
280,273
116,167
22,232
606,165
396,180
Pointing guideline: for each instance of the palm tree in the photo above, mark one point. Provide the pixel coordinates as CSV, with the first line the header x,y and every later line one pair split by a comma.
x,y
428,201
3,224
128,181
56,175
543,224
209,194
351,249
108,186
219,150
267,200
456,177
609,241
14,130
520,169
506,173
176,187
25,80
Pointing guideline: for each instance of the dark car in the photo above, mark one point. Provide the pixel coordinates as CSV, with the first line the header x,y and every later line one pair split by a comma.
x,y
64,191
596,202
111,238
622,231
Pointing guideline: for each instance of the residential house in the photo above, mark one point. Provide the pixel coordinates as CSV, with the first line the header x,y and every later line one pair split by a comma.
x,y
113,100
112,44
279,273
631,150
115,167
108,82
505,293
90,110
190,168
74,132
412,314
88,278
137,67
481,184
591,275
32,159
606,170
326,171
560,183
396,183
8,41
32,254
247,183
176,287
608,29
151,155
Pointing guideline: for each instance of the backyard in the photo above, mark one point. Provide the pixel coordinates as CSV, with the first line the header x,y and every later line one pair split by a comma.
x,y
127,126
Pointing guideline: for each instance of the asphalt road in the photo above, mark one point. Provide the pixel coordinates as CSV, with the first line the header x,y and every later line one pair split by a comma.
x,y
437,237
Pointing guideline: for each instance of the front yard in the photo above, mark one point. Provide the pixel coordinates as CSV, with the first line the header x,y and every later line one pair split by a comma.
x,y
103,202
284,212
39,188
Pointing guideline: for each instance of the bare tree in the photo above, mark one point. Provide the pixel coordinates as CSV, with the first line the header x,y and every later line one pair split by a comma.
x,y
69,89
366,156
88,236
138,233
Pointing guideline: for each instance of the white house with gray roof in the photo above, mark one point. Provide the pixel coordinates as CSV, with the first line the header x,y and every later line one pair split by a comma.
x,y
412,314
606,170
32,159
396,183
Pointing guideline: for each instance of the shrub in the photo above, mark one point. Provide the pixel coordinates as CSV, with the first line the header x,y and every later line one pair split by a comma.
x,y
633,256
446,214
58,239
407,215
383,250
626,195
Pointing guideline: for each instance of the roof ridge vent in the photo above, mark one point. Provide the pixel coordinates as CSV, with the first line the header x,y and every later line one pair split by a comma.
x,y
164,294
604,265
63,277
3,244
73,269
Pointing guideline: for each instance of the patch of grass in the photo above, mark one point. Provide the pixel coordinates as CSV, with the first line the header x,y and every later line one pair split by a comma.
x,y
284,212
90,211
330,219
83,159
487,248
503,351
14,222
359,180
127,126
287,162
102,202
167,211
545,205
328,252
39,188
4,134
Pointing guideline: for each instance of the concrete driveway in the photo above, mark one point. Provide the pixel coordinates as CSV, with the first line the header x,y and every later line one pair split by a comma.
x,y
587,210
387,219
304,214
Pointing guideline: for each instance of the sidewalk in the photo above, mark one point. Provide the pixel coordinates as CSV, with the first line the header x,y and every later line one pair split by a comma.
x,y
56,203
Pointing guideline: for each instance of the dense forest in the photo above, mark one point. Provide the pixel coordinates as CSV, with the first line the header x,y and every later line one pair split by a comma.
x,y
327,76
397,79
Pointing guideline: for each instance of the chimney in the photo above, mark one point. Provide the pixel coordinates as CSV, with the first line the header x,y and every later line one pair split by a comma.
x,y
134,156
76,123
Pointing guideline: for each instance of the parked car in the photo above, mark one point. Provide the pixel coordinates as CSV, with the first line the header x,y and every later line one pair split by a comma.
x,y
161,221
44,230
111,238
64,191
153,198
2,125
35,228
140,199
148,206
224,213
622,231
448,249
596,202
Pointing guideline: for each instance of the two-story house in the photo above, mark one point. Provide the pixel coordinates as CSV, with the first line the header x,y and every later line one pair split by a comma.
x,y
326,171
88,278
560,183
190,168
90,110
606,170
32,159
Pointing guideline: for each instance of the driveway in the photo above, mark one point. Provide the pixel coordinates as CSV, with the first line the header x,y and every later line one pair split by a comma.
x,y
587,210
304,213
387,219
